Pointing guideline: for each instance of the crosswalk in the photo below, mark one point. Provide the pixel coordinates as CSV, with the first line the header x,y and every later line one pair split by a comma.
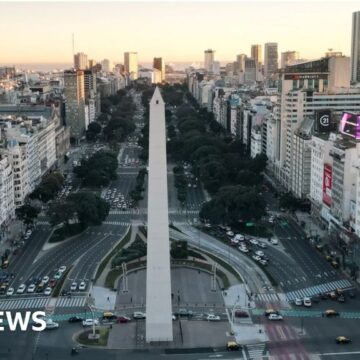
x,y
271,297
78,301
315,290
118,223
255,351
20,304
143,211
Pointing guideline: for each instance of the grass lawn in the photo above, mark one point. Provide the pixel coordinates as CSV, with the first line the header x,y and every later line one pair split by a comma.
x,y
83,338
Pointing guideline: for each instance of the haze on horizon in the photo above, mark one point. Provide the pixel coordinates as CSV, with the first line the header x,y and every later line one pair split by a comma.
x,y
177,31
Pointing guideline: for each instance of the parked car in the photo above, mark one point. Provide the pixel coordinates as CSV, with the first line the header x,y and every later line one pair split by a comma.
x,y
243,249
212,317
254,241
259,253
10,291
232,346
82,286
298,302
73,286
31,288
274,241
262,245
229,233
48,291
62,268
21,289
52,283
307,302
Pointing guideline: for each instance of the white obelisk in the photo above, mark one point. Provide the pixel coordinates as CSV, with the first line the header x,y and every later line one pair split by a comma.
x,y
158,280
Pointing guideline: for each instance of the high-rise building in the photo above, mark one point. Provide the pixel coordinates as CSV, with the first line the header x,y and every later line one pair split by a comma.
x,y
159,64
106,65
270,59
209,59
240,59
92,63
256,54
74,91
81,61
355,48
288,58
131,64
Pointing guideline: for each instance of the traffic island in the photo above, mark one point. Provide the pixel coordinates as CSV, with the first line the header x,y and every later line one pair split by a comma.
x,y
87,338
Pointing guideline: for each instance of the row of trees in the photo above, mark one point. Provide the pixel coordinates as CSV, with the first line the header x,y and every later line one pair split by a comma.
x,y
137,194
180,183
49,187
98,170
222,164
84,208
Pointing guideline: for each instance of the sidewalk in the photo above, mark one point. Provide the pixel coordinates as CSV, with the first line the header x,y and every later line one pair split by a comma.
x,y
245,331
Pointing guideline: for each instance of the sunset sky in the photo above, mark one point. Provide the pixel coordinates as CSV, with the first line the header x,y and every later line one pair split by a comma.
x,y
177,31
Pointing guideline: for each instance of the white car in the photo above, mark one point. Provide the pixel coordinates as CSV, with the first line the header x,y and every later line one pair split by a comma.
x,y
239,237
212,317
234,241
82,286
254,241
307,302
243,249
62,269
263,262
275,317
28,233
51,324
73,286
139,315
90,322
256,258
47,291
10,291
259,253
298,302
31,288
21,289
274,241
45,279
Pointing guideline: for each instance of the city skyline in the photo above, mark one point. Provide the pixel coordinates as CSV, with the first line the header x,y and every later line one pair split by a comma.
x,y
233,34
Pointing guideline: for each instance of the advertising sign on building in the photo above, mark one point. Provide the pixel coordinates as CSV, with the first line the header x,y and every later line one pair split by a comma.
x,y
323,121
327,184
350,125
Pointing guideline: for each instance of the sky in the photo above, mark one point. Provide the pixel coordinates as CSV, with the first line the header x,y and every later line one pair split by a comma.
x,y
34,32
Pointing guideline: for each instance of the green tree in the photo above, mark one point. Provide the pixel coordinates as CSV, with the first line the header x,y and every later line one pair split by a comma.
x,y
179,249
27,213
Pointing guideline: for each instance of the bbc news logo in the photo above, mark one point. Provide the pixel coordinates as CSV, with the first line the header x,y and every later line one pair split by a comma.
x,y
21,321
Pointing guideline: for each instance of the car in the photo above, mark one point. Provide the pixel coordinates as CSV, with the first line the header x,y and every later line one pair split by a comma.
x,y
259,253
75,319
50,325
271,311
274,241
256,257
341,298
31,288
234,242
254,241
232,346
45,279
10,291
47,291
82,286
229,233
333,295
212,317
58,275
184,312
275,317
139,315
263,262
123,319
323,296
90,322
109,316
239,237
262,245
73,286
21,289
342,340
335,264
243,249
52,283
62,269
28,233
298,302
331,313
241,314
307,302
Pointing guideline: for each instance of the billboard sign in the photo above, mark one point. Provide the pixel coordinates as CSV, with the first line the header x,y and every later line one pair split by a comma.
x,y
323,121
327,184
350,125
315,76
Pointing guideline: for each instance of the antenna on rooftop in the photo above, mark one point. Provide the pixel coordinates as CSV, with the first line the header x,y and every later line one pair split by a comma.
x,y
73,44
